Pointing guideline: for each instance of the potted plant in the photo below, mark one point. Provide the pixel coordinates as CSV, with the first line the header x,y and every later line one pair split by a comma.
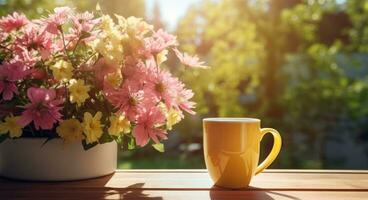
x,y
73,83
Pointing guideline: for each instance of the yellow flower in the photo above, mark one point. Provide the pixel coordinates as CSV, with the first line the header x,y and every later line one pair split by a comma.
x,y
109,42
162,56
122,23
172,118
70,130
114,79
118,125
78,91
62,70
92,127
136,26
10,125
107,23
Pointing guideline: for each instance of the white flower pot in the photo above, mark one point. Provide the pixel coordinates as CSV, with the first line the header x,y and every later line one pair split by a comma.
x,y
30,159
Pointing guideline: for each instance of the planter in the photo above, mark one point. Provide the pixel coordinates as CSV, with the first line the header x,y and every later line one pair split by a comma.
x,y
31,159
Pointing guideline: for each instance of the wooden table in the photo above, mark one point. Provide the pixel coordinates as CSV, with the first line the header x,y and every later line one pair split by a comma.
x,y
196,184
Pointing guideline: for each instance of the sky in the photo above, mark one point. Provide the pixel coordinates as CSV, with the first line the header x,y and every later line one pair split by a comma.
x,y
171,10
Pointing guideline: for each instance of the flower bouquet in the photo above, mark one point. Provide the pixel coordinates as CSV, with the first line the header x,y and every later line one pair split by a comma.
x,y
89,78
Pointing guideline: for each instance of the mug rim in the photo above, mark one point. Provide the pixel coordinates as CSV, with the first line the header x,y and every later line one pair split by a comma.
x,y
231,119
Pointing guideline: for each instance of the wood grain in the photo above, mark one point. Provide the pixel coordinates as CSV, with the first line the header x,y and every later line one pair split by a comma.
x,y
196,184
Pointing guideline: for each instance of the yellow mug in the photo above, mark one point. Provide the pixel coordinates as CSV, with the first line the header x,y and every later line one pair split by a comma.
x,y
231,150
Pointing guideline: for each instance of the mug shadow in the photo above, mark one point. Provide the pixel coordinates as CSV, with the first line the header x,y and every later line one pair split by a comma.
x,y
250,193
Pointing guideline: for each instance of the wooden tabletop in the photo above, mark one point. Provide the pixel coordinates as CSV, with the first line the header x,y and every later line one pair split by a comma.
x,y
196,184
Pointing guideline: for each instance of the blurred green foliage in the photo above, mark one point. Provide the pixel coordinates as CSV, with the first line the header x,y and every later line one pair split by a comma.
x,y
34,8
299,65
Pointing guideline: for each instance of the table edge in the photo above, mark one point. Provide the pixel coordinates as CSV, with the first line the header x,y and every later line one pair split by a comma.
x,y
266,171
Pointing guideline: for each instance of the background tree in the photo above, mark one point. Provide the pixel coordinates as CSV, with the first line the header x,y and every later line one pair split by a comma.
x,y
31,8
295,64
125,8
156,18
34,8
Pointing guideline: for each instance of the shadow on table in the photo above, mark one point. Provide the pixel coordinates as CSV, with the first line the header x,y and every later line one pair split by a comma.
x,y
134,191
251,193
80,189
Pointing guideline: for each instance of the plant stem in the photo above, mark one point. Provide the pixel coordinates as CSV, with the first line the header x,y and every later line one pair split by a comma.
x,y
64,45
89,58
76,45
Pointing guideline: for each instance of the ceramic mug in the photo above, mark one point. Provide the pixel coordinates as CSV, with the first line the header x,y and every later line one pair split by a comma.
x,y
231,150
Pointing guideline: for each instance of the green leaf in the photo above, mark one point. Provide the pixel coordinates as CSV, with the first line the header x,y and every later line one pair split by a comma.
x,y
118,139
131,144
88,146
159,147
105,138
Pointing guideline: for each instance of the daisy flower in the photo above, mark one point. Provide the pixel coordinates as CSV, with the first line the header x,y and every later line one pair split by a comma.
x,y
127,100
9,75
163,86
60,16
12,22
148,127
35,42
190,61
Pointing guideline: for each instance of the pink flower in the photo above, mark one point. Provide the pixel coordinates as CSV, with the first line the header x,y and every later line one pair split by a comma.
x,y
190,61
131,98
37,73
135,73
151,46
59,17
9,74
148,127
43,109
102,68
34,42
183,101
167,38
127,99
13,21
163,86
83,23
27,58
133,67
159,41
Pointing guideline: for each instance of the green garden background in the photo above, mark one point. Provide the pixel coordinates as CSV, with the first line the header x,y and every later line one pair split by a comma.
x,y
299,65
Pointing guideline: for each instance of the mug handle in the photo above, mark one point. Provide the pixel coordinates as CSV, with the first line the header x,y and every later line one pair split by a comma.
x,y
275,149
